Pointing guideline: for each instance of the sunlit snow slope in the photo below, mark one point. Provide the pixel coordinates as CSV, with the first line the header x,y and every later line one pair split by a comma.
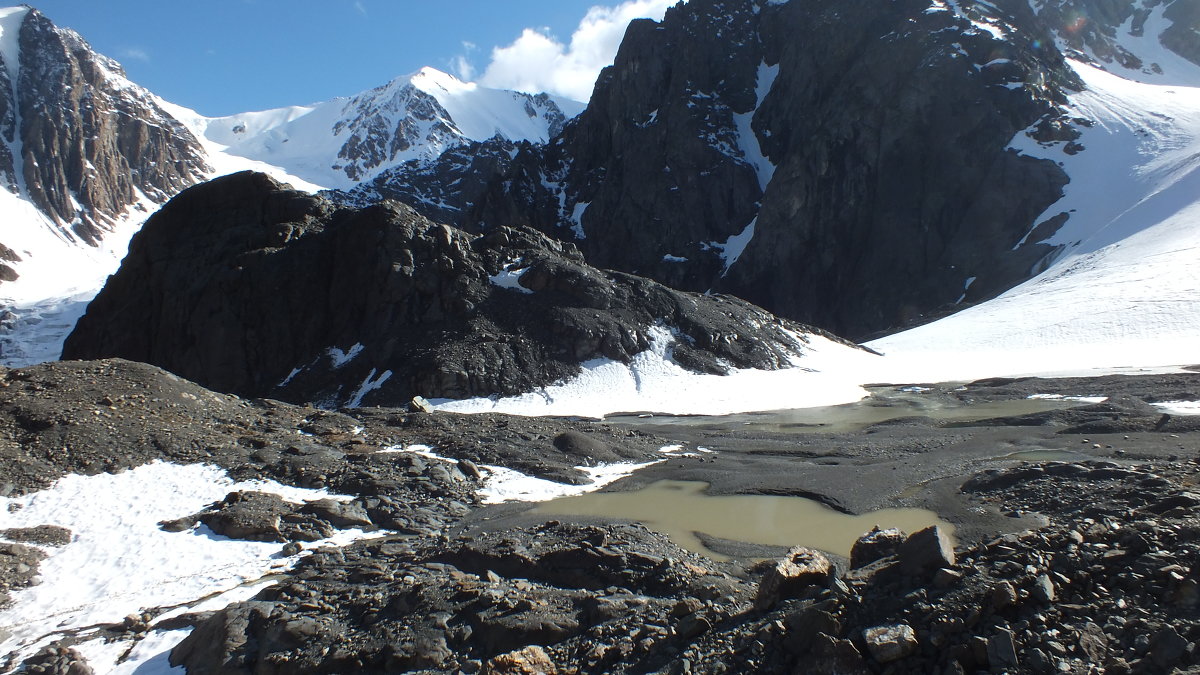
x,y
1126,291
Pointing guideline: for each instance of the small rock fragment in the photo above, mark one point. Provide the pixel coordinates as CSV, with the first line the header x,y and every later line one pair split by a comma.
x,y
1043,589
890,643
1001,649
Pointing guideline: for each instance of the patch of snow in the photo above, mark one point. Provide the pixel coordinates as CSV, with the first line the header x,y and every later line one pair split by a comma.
x,y
748,141
966,287
370,384
731,249
506,485
148,656
1061,397
1179,407
290,377
11,19
653,381
510,277
418,449
119,561
577,219
339,358
673,258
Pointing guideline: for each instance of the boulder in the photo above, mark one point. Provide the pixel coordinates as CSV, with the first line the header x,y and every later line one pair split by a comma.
x,y
926,551
800,569
875,545
531,660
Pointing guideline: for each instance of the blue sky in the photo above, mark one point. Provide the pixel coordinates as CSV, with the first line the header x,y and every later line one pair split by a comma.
x,y
227,56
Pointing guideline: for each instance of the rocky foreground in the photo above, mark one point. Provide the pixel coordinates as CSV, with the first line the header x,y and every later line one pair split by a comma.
x,y
1106,583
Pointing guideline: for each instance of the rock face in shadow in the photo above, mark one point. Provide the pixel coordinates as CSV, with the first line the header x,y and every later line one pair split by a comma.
x,y
88,143
249,287
842,165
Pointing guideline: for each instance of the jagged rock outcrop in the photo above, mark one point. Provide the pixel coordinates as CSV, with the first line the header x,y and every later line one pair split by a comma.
x,y
249,287
91,142
846,166
843,165
441,189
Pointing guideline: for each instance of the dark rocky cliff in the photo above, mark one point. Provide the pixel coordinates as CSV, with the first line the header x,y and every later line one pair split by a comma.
x,y
843,164
250,287
91,141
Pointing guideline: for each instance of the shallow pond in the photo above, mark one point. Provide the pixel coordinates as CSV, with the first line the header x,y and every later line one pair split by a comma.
x,y
680,509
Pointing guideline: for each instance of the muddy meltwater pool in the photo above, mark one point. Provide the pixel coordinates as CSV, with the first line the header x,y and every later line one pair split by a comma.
x,y
681,509
686,513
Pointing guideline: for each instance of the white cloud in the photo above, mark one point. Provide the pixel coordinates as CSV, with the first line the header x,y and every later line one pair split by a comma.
x,y
362,9
461,64
538,62
135,54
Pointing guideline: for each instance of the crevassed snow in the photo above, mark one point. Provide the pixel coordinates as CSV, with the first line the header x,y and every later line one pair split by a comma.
x,y
506,485
653,381
119,561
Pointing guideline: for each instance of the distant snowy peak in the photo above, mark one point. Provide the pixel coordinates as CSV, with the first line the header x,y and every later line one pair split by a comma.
x,y
342,142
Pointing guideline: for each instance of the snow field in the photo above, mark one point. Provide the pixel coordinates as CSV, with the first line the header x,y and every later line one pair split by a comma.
x,y
119,562
652,381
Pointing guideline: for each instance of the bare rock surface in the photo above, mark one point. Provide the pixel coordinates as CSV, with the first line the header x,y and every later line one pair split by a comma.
x,y
314,303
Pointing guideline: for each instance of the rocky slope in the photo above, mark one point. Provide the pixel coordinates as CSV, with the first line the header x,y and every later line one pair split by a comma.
x,y
250,287
81,142
839,166
1105,580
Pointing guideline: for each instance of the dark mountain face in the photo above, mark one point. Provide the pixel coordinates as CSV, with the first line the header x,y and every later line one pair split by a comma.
x,y
88,143
250,287
843,164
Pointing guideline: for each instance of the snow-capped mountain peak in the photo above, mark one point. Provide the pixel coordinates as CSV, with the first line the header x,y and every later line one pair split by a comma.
x,y
344,141
433,81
